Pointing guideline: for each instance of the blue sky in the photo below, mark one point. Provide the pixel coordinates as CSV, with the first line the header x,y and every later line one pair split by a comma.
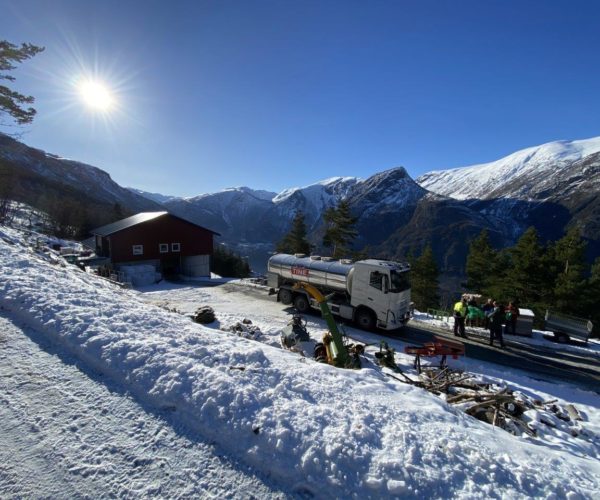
x,y
274,94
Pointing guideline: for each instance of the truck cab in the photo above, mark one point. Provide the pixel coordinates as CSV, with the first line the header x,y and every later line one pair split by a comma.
x,y
372,293
384,288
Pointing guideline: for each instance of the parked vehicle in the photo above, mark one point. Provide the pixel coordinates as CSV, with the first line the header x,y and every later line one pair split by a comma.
x,y
567,327
373,293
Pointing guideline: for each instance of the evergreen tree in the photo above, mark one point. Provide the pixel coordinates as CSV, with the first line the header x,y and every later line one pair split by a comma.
x,y
425,280
227,264
591,295
481,262
528,279
499,282
569,259
295,241
118,212
12,104
340,231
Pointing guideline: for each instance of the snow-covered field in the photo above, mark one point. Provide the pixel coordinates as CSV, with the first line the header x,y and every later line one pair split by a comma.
x,y
68,432
306,428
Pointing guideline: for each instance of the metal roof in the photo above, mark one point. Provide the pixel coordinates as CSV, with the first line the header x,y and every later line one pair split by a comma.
x,y
134,220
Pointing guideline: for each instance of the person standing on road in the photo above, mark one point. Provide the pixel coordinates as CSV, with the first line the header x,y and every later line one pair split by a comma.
x,y
487,308
512,313
460,313
496,318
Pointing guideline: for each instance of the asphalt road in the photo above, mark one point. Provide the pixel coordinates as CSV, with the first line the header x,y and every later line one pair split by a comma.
x,y
546,363
582,369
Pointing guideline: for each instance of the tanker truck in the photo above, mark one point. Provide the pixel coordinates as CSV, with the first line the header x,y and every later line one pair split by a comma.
x,y
372,293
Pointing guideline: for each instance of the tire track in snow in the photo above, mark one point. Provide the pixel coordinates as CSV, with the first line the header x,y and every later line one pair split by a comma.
x,y
65,433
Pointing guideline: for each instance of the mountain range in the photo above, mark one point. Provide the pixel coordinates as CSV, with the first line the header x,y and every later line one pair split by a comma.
x,y
42,179
551,187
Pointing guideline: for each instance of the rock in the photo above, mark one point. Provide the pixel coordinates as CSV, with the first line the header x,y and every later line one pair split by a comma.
x,y
204,315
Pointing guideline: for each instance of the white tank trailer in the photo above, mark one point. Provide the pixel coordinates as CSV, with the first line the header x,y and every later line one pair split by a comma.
x,y
373,293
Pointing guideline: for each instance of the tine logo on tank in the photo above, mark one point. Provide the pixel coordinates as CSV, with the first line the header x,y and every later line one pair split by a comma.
x,y
300,271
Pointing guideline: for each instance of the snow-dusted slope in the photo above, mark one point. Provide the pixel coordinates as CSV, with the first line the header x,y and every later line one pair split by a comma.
x,y
157,197
523,175
322,193
317,430
68,176
388,191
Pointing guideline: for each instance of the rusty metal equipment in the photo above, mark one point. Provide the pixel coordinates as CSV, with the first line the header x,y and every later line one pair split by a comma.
x,y
439,347
333,347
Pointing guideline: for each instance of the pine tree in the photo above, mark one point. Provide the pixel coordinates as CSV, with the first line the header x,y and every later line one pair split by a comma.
x,y
12,103
295,241
590,297
481,262
528,280
226,263
340,229
569,259
425,280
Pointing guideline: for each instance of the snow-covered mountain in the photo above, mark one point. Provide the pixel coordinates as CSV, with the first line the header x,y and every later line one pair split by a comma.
x,y
156,197
243,216
529,174
549,187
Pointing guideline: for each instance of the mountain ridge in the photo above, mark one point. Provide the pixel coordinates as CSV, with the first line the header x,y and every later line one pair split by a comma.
x,y
551,187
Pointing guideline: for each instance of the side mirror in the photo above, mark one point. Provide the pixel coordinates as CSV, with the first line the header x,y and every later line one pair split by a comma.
x,y
386,284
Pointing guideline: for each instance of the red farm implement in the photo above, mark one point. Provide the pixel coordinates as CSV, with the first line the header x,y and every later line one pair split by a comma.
x,y
439,347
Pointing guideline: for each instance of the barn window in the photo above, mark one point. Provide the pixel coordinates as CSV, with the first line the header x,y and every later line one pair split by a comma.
x,y
138,249
175,247
163,247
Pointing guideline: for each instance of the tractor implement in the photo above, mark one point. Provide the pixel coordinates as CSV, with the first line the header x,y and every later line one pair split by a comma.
x,y
439,347
333,347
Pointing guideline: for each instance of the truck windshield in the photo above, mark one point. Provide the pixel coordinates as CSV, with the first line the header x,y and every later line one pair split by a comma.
x,y
400,281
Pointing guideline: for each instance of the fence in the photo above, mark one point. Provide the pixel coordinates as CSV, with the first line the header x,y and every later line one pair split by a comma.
x,y
439,314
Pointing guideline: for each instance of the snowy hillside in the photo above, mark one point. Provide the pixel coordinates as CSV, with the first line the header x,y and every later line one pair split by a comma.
x,y
157,197
313,429
521,175
41,170
321,194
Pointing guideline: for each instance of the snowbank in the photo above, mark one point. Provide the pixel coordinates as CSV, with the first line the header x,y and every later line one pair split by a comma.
x,y
315,428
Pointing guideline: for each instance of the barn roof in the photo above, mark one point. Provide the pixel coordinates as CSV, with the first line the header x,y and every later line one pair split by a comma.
x,y
134,220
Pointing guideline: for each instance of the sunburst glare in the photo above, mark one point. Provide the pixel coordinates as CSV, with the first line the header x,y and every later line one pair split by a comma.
x,y
92,91
96,95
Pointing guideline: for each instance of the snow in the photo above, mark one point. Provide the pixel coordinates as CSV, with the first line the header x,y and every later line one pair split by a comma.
x,y
68,432
315,193
157,197
261,194
312,429
480,181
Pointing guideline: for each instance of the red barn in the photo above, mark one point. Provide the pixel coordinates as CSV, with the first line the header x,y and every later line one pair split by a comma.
x,y
170,243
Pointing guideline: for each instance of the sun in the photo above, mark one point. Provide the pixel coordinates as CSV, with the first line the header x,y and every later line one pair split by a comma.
x,y
96,95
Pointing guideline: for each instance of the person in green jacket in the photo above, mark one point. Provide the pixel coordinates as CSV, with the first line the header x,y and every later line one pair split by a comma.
x,y
460,314
475,316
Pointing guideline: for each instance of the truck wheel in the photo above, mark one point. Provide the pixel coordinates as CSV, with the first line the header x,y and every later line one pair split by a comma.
x,y
301,303
285,296
365,319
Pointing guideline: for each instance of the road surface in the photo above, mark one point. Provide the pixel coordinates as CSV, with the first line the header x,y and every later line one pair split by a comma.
x,y
547,363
